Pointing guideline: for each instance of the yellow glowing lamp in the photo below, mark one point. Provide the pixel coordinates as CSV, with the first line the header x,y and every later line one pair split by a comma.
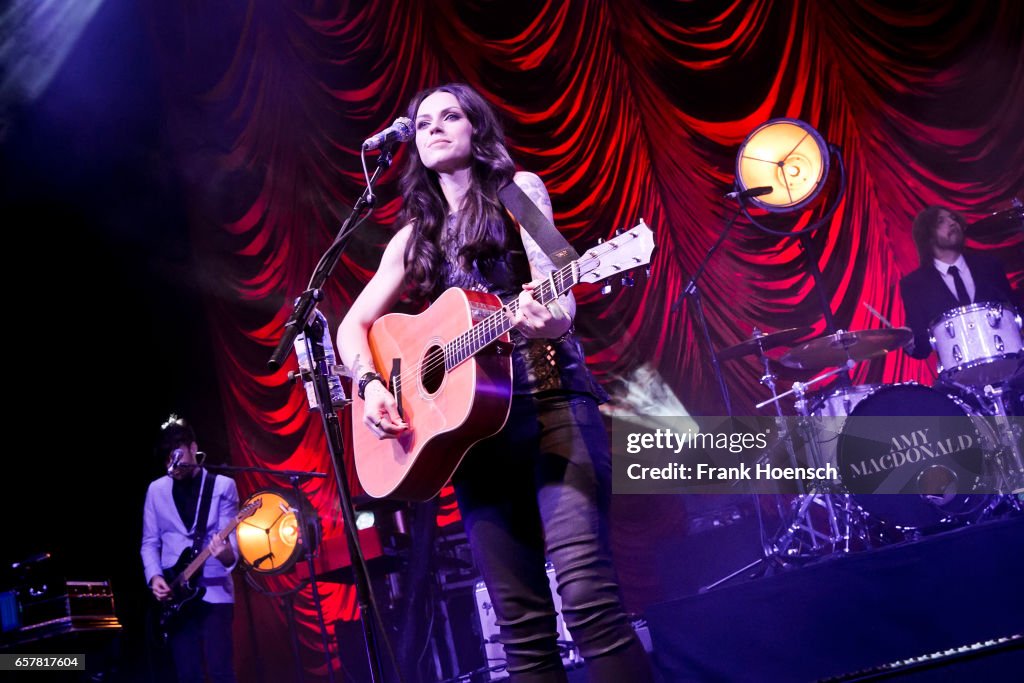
x,y
273,539
787,155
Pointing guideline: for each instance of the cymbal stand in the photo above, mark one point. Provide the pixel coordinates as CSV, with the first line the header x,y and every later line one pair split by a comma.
x,y
1010,470
768,379
844,519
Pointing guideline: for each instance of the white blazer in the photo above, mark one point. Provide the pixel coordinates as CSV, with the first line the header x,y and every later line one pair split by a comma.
x,y
165,536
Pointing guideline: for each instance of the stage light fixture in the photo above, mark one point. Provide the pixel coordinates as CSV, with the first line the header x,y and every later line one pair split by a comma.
x,y
788,156
279,534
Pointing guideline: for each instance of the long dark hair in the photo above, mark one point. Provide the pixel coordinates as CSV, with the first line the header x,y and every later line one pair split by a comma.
x,y
481,221
924,230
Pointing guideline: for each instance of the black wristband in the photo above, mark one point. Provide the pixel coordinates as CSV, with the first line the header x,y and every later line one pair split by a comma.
x,y
366,379
565,335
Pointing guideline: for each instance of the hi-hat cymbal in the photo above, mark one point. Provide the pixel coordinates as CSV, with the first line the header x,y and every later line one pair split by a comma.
x,y
836,349
1008,219
761,342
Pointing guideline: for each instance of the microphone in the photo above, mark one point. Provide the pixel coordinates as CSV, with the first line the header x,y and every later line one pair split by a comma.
x,y
752,192
399,131
176,457
261,560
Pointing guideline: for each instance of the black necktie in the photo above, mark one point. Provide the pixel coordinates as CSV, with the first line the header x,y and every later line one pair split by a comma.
x,y
961,288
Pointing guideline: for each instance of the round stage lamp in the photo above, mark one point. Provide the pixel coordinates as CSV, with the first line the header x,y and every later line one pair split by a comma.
x,y
787,155
279,534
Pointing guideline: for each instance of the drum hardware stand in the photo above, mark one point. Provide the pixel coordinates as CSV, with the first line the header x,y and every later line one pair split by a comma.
x,y
845,519
1011,468
768,379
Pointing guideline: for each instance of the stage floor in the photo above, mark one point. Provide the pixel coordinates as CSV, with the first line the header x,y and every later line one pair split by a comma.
x,y
857,612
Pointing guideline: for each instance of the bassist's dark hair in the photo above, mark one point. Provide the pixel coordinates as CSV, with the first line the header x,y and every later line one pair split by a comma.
x,y
174,433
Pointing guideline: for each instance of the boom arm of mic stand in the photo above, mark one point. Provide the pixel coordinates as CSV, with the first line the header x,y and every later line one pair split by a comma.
x,y
691,290
301,474
692,284
305,305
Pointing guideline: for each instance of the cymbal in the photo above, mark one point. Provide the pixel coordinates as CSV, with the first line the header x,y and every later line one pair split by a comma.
x,y
761,342
836,349
1008,219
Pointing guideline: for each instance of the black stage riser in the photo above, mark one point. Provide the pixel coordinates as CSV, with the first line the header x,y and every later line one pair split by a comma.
x,y
856,613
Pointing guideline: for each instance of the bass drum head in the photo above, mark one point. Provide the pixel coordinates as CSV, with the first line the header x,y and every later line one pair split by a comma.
x,y
916,458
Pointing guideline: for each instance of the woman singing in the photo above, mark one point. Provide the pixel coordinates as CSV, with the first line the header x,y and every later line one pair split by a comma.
x,y
540,488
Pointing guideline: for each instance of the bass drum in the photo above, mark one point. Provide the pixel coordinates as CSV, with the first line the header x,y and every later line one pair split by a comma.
x,y
916,458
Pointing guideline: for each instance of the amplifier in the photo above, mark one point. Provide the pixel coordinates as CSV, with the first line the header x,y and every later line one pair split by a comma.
x,y
71,605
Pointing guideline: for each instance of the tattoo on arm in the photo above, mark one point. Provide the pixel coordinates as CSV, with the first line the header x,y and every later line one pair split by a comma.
x,y
535,190
539,260
359,368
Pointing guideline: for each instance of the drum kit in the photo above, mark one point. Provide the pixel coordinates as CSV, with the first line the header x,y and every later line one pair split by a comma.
x,y
971,417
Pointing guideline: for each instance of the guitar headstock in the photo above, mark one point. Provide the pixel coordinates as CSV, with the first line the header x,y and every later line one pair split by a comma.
x,y
249,510
632,249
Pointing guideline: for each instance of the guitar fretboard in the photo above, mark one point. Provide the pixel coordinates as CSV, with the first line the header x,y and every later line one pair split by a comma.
x,y
201,558
497,324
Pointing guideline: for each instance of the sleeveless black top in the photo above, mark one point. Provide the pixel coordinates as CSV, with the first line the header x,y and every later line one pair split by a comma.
x,y
539,366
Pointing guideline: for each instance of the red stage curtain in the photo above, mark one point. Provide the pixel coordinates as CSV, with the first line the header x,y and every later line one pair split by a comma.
x,y
626,110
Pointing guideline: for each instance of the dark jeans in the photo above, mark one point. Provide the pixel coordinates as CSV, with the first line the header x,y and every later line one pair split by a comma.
x,y
204,634
541,488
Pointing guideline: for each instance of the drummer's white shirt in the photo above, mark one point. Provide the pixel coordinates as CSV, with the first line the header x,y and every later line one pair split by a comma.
x,y
965,275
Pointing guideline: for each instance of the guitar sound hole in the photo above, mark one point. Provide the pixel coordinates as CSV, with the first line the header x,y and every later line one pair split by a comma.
x,y
432,371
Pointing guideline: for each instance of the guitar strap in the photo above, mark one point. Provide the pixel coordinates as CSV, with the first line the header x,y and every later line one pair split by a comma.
x,y
537,224
204,511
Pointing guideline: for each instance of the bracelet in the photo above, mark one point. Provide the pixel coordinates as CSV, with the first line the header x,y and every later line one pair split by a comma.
x,y
565,335
365,380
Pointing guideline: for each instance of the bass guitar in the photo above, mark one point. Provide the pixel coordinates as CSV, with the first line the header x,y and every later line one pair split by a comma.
x,y
186,592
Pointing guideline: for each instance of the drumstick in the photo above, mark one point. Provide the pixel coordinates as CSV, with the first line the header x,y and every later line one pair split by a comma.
x,y
877,314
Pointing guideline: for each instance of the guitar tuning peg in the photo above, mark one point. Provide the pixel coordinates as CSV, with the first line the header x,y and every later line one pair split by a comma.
x,y
627,280
606,289
647,272
600,240
618,231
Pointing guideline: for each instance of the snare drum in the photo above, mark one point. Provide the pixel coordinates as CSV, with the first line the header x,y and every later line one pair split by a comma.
x,y
978,344
926,451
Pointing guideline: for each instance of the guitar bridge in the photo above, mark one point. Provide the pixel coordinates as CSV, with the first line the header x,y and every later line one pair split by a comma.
x,y
395,382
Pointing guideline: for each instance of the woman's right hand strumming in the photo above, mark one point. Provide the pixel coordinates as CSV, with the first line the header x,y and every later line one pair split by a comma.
x,y
380,412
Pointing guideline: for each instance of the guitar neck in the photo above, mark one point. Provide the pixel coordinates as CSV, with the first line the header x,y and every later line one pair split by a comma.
x,y
494,326
202,557
626,251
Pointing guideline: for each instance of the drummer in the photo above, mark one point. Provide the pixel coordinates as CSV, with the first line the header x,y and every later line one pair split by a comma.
x,y
948,277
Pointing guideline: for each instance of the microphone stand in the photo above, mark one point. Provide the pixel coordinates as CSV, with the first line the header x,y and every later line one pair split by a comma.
x,y
303,319
692,291
294,477
811,254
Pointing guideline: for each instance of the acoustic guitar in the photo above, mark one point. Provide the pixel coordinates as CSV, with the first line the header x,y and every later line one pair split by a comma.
x,y
450,370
